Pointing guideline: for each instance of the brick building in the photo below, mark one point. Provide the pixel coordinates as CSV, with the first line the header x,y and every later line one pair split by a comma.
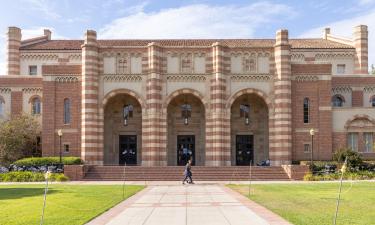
x,y
222,101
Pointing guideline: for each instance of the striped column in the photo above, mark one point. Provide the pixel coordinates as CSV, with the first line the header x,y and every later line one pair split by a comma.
x,y
154,125
281,130
218,122
13,51
91,125
361,47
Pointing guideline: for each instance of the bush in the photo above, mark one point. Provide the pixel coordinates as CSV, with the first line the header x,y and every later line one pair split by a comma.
x,y
26,176
354,158
46,161
360,175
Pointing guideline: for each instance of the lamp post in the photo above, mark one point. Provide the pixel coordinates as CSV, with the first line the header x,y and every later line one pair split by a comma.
x,y
312,133
59,132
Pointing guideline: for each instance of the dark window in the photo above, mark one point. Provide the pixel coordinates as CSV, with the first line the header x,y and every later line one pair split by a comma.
x,y
36,106
128,111
337,101
306,109
373,101
306,148
244,110
185,110
66,148
1,106
33,70
66,111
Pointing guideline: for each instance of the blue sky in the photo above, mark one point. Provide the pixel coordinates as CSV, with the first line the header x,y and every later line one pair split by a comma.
x,y
68,19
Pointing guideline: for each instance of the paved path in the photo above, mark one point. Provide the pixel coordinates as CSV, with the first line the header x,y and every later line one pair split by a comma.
x,y
188,205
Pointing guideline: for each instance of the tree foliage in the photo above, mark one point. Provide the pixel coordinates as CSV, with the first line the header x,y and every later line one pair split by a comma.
x,y
354,158
18,138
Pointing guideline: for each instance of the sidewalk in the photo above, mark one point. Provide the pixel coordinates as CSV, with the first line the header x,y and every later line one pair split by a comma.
x,y
188,205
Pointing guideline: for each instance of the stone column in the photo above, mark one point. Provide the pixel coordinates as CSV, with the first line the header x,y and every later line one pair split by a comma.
x,y
91,125
13,51
360,35
281,134
218,122
154,133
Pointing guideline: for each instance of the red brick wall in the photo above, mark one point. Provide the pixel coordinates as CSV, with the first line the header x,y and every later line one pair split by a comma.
x,y
357,98
16,103
48,119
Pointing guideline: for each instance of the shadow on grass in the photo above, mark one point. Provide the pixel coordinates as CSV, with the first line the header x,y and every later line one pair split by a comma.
x,y
15,193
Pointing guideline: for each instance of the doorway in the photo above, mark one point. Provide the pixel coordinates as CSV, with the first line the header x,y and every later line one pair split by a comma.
x,y
244,149
185,149
128,149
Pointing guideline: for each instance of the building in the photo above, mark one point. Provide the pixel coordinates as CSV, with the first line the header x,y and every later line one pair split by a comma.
x,y
222,101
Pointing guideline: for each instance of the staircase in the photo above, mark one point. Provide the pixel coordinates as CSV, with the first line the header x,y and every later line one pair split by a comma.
x,y
175,173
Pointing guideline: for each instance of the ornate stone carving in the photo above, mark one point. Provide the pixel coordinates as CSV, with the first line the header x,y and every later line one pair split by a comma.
x,y
333,55
298,57
66,79
186,78
39,56
361,121
5,90
341,89
256,78
122,78
32,90
369,89
306,78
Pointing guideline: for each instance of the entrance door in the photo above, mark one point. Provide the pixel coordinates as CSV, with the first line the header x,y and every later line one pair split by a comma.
x,y
185,149
128,149
244,149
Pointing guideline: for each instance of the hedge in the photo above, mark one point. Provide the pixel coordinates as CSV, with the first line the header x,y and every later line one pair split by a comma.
x,y
359,175
26,176
44,161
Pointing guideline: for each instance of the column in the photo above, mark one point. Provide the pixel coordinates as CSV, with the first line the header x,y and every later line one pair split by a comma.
x,y
361,47
13,51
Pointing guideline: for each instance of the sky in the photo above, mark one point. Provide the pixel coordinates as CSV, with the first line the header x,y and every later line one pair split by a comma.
x,y
129,19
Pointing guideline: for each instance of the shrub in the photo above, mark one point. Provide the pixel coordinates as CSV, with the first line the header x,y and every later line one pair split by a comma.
x,y
45,161
354,158
360,175
26,176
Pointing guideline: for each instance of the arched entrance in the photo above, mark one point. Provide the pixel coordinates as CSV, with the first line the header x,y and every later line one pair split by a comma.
x,y
249,129
122,130
186,130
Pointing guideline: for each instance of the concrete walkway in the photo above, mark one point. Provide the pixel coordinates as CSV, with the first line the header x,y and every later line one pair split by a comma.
x,y
200,204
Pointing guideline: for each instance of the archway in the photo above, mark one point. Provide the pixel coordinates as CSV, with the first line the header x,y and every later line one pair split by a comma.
x,y
122,129
249,128
186,129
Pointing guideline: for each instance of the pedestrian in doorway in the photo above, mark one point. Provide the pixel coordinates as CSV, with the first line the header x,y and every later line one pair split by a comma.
x,y
188,174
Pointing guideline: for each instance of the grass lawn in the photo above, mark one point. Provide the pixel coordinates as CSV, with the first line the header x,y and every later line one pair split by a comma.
x,y
315,203
66,204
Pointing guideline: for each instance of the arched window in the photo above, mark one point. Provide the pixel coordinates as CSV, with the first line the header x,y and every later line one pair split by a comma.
x,y
35,106
128,111
66,111
185,110
306,110
372,101
337,101
2,106
244,110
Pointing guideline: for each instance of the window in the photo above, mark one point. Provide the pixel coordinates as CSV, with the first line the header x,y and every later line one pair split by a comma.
x,y
306,108
35,106
66,148
337,101
372,101
341,69
33,70
306,148
244,110
353,141
186,111
2,106
368,137
128,111
122,65
66,111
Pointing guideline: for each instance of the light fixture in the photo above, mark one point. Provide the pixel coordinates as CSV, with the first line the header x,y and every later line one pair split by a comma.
x,y
312,132
186,120
125,121
125,114
59,132
247,120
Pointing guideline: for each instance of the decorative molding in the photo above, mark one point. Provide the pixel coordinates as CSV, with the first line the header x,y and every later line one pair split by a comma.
x,y
32,90
77,57
186,78
306,78
360,121
122,78
333,55
248,77
5,90
36,56
121,54
66,79
341,89
297,57
369,89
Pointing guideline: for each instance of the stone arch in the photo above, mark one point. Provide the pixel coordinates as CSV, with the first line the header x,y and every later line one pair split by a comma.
x,y
249,91
350,123
185,91
35,97
124,91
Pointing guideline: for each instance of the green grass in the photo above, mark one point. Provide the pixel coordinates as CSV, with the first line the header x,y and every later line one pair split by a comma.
x,y
66,204
315,203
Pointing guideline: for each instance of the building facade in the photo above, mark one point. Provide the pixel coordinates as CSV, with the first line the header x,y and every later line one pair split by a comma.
x,y
222,102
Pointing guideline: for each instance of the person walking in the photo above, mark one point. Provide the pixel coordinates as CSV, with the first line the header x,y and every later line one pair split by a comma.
x,y
187,173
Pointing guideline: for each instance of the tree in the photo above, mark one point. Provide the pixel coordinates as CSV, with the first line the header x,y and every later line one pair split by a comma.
x,y
372,69
18,138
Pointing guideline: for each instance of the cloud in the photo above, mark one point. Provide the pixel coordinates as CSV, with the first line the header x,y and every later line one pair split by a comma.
x,y
196,21
345,28
45,7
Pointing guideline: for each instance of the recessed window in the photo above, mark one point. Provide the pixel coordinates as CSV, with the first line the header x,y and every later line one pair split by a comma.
x,y
306,148
2,106
306,108
353,141
368,138
340,68
337,101
36,106
122,65
128,111
186,111
373,101
66,111
33,70
244,110
66,148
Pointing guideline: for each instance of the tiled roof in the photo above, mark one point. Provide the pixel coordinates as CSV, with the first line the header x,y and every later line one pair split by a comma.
x,y
233,43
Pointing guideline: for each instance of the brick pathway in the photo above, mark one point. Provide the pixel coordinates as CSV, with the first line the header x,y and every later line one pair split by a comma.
x,y
188,204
